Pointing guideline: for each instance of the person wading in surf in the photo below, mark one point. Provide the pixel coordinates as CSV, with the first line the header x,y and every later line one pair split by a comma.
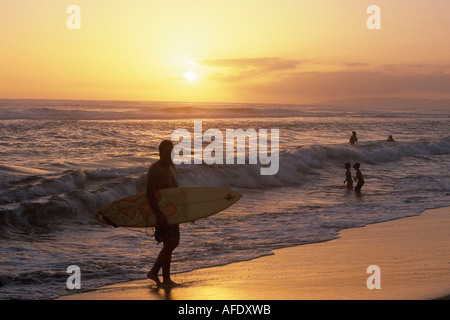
x,y
353,138
358,178
348,177
161,175
390,138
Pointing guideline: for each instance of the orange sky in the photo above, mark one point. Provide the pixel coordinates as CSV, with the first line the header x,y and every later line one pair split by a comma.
x,y
286,51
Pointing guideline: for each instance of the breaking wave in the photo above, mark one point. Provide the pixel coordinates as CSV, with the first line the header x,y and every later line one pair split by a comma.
x,y
41,201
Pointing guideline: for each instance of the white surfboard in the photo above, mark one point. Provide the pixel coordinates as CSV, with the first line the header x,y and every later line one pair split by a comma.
x,y
179,205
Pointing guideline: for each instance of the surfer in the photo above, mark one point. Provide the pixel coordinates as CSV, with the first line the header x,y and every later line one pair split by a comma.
x,y
353,138
358,178
348,177
161,175
390,138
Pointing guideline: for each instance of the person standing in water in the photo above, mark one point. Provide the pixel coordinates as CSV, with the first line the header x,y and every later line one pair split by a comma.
x,y
390,138
353,138
358,178
348,177
161,175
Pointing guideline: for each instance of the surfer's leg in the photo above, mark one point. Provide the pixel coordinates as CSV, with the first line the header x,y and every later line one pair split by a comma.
x,y
166,260
170,237
358,187
153,273
163,261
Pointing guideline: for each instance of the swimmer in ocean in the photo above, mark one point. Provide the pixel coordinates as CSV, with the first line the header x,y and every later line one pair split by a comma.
x,y
353,138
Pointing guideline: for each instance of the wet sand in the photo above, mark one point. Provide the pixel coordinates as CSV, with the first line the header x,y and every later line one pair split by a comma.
x,y
413,256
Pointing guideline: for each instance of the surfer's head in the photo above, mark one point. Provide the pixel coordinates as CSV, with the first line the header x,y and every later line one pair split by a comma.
x,y
347,165
165,151
356,165
354,132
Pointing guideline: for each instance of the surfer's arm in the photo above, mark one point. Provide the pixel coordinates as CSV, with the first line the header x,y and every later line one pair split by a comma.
x,y
358,176
151,198
160,218
152,201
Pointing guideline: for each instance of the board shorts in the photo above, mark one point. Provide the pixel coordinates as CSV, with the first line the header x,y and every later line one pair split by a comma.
x,y
359,185
168,234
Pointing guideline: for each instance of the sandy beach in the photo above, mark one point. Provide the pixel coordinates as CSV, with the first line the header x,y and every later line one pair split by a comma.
x,y
412,254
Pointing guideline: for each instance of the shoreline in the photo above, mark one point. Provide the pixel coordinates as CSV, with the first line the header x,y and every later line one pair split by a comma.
x,y
412,253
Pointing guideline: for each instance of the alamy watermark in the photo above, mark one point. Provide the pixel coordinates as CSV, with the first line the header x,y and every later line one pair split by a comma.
x,y
235,150
73,281
74,20
374,281
374,20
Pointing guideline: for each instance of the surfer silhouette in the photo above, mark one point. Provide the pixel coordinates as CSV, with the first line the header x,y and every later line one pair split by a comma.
x,y
348,177
353,138
161,175
358,178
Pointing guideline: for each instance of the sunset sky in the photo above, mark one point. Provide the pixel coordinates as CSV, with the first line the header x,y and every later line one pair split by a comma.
x,y
286,51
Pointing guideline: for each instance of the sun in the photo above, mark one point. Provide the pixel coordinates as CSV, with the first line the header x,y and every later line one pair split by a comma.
x,y
190,76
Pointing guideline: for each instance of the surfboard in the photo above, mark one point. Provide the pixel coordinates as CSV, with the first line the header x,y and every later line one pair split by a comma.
x,y
179,205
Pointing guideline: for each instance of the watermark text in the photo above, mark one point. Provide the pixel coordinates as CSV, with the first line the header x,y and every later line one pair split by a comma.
x,y
237,150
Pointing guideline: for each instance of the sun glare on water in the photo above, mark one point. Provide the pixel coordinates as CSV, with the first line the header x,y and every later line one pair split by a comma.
x,y
190,76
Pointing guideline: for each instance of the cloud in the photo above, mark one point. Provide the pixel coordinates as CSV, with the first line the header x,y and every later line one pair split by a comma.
x,y
300,80
344,84
355,64
240,69
271,63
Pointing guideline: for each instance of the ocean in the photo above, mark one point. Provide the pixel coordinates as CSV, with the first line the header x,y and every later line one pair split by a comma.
x,y
61,160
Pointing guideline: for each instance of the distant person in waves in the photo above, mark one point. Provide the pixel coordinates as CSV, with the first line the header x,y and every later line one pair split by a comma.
x,y
161,175
358,178
390,138
348,177
353,138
